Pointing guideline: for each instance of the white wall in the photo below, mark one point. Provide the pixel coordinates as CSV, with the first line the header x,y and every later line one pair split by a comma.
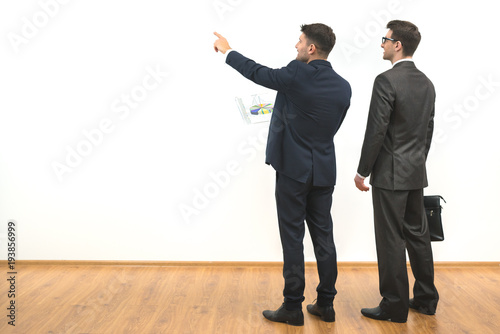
x,y
68,66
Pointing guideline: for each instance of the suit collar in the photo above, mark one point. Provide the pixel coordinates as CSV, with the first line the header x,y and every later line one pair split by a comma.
x,y
404,62
320,62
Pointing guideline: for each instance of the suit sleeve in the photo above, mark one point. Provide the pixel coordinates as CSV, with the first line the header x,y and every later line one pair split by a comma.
x,y
381,107
344,113
277,79
430,130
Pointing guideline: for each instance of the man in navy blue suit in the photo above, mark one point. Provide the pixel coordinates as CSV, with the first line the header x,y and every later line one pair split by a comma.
x,y
311,103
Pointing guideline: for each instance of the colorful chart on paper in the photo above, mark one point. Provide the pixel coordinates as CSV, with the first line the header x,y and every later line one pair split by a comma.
x,y
261,109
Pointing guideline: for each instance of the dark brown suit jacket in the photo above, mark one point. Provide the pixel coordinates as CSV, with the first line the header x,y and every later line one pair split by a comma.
x,y
399,130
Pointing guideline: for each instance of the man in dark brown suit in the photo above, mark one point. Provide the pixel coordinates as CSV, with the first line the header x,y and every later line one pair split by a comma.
x,y
397,141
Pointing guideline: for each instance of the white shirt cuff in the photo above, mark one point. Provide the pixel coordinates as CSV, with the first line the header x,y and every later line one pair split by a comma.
x,y
228,52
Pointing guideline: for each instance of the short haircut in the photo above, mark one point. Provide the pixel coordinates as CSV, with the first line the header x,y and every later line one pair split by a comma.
x,y
321,36
407,33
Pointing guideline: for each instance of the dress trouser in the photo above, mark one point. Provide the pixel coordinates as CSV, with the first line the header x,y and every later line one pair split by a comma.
x,y
400,222
295,203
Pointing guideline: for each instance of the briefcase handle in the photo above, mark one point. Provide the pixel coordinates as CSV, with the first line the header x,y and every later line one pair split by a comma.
x,y
437,196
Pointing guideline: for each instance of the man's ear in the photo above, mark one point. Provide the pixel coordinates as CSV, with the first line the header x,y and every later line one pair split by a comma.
x,y
312,49
399,46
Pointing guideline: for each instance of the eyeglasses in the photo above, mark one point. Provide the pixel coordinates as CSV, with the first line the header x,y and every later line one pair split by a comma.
x,y
389,39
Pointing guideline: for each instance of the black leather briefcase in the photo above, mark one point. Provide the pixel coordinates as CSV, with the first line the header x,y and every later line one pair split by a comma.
x,y
433,209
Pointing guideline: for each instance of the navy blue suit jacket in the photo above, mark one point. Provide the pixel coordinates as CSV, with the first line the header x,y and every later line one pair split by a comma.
x,y
310,106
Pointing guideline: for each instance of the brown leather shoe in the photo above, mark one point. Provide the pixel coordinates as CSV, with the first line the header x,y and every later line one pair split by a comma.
x,y
294,318
326,313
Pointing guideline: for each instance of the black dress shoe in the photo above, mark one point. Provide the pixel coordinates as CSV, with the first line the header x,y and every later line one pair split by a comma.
x,y
420,308
326,313
294,318
378,314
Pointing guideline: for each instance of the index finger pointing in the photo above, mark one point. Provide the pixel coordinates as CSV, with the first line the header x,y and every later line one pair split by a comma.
x,y
217,34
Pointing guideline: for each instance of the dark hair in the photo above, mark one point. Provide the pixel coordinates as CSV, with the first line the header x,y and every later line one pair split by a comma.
x,y
407,33
321,36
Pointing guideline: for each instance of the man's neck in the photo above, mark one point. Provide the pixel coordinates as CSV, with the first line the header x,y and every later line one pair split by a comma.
x,y
396,59
315,58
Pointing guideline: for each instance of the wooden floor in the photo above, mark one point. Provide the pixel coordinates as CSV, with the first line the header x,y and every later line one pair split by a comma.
x,y
79,298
